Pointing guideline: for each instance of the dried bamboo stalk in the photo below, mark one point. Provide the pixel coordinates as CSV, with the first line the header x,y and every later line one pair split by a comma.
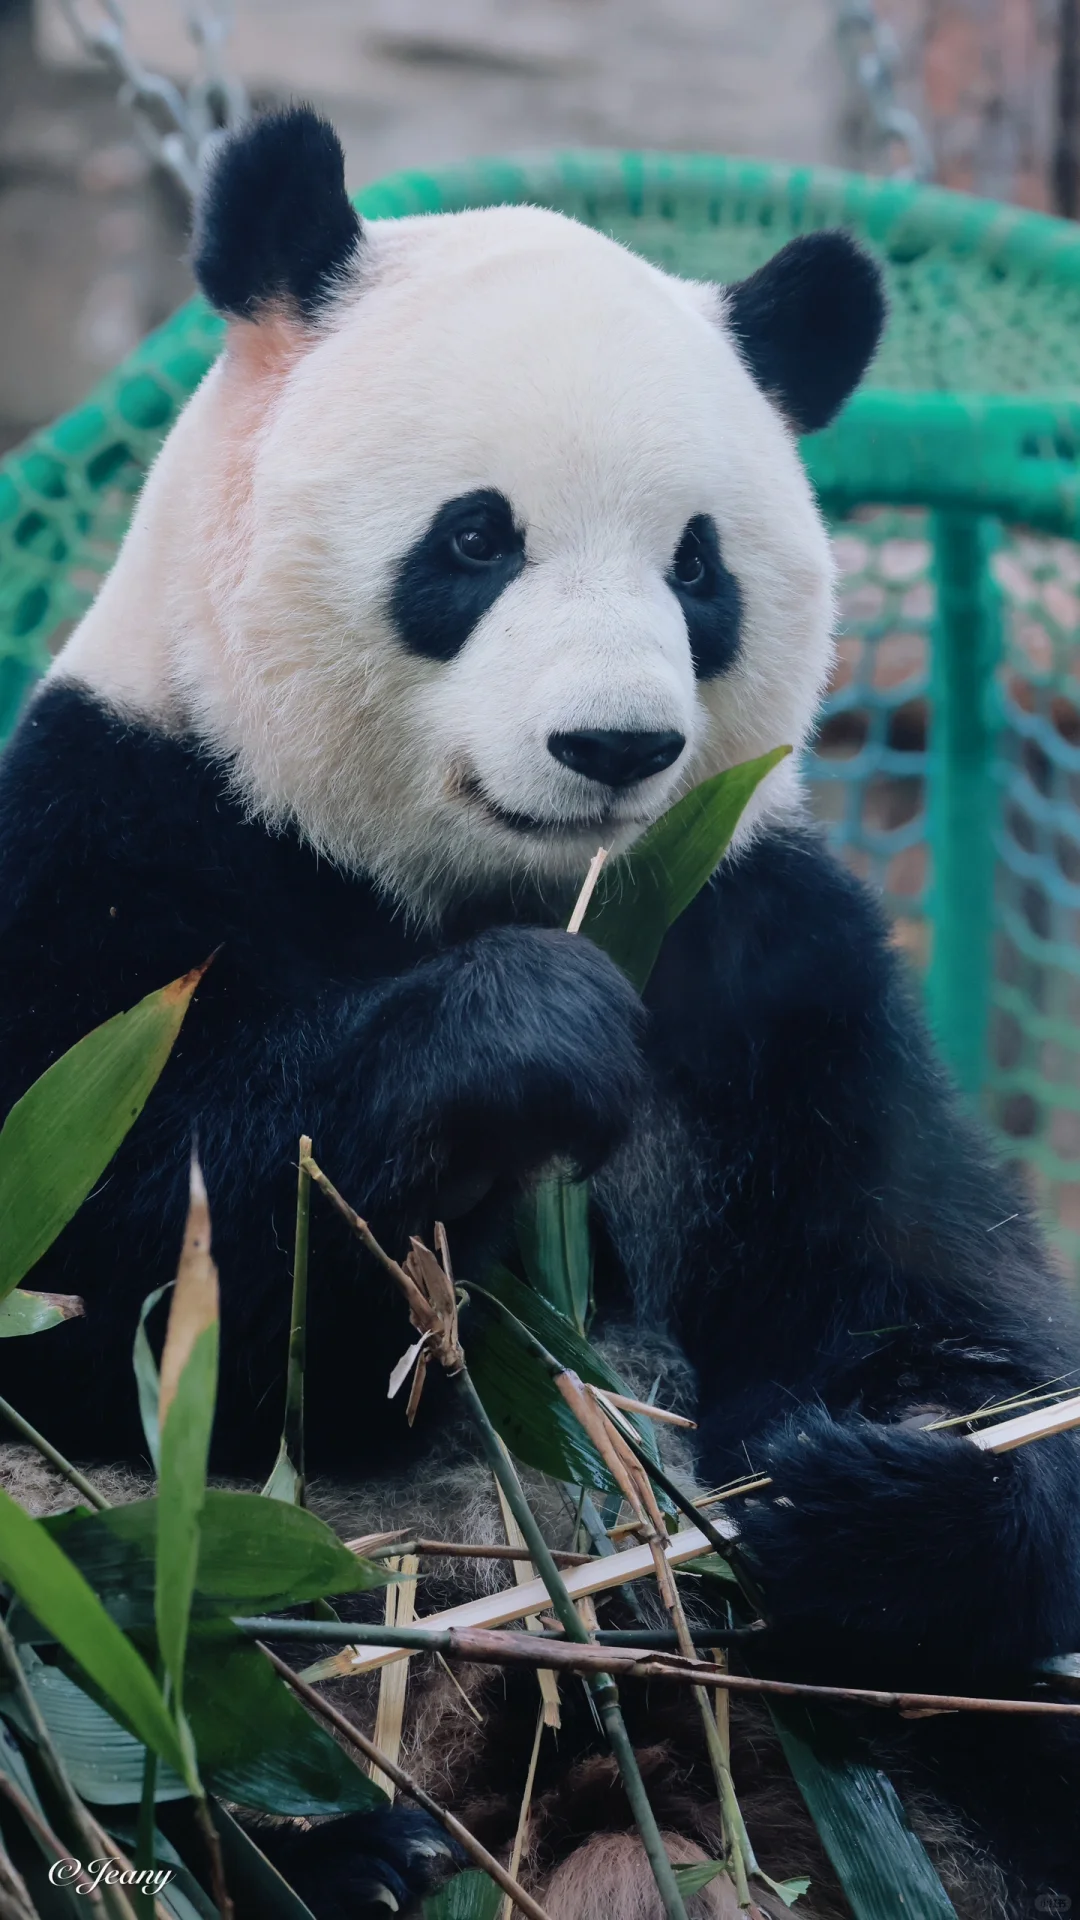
x,y
521,1603
390,1717
484,1647
506,1911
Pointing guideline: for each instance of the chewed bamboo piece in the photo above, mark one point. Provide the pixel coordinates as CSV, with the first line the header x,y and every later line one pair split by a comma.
x,y
521,1603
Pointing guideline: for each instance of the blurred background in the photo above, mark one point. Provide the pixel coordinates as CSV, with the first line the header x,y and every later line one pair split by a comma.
x,y
92,224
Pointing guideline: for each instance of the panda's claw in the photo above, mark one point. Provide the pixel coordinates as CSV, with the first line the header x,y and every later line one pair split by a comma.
x,y
366,1865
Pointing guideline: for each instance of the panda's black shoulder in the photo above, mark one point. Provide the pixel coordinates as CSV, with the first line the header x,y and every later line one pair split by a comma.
x,y
784,932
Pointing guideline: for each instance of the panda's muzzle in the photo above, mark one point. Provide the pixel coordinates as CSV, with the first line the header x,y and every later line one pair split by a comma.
x,y
616,759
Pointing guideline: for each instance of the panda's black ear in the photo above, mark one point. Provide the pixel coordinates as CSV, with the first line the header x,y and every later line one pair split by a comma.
x,y
273,223
807,324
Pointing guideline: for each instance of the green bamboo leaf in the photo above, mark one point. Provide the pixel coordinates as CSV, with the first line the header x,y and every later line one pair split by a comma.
x,y
22,1312
469,1896
556,1248
643,894
57,1594
185,1416
690,1880
58,1139
257,1744
255,1556
788,1890
103,1760
285,1483
880,1863
251,1877
147,1383
517,1390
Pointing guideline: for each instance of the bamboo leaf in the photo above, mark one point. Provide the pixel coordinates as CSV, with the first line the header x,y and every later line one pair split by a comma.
x,y
147,1381
103,1760
690,1880
22,1312
57,1594
556,1248
255,1556
58,1139
880,1863
252,1876
257,1744
469,1896
185,1417
518,1393
788,1890
285,1483
640,896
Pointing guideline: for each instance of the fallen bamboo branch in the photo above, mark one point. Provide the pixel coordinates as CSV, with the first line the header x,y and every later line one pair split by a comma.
x,y
405,1784
471,1550
482,1647
519,1603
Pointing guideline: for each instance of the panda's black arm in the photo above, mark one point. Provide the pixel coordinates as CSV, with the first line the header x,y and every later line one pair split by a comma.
x,y
424,1071
858,1263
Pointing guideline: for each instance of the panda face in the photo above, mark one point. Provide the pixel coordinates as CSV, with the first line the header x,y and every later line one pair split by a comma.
x,y
524,552
481,559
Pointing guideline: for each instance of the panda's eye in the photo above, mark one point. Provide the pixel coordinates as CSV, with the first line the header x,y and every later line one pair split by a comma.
x,y
688,568
476,546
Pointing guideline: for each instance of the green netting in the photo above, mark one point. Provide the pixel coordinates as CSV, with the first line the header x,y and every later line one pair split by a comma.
x,y
948,762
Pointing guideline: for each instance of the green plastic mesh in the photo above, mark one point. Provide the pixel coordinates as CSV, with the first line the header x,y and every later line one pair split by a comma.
x,y
950,744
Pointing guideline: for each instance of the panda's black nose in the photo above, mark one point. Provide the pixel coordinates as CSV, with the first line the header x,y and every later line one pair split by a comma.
x,y
616,759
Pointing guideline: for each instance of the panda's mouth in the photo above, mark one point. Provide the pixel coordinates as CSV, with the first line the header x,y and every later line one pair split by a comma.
x,y
470,788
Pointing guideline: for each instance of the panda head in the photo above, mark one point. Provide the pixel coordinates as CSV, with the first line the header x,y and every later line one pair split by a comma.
x,y
485,539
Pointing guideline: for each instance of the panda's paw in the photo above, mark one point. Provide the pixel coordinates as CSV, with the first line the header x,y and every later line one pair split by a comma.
x,y
558,1069
366,1864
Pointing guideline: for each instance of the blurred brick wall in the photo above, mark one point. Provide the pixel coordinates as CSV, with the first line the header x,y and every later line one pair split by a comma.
x,y
982,76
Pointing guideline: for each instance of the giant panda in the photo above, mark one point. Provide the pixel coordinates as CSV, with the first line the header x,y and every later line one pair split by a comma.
x,y
482,542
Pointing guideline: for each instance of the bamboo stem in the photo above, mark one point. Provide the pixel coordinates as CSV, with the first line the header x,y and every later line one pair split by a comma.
x,y
15,1901
293,1431
419,1639
482,1646
406,1784
49,1842
602,1686
468,1550
53,1456
506,1911
218,1887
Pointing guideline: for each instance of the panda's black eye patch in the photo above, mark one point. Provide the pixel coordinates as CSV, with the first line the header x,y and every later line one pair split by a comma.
x,y
709,596
456,572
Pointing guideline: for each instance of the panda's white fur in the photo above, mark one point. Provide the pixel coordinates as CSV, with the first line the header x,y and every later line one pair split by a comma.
x,y
508,348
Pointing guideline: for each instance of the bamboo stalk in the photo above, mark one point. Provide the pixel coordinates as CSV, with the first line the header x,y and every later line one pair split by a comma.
x,y
53,1456
393,1681
588,887
354,1738
603,1689
419,1639
50,1843
506,1911
517,1603
524,1571
292,1451
475,1550
496,1647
